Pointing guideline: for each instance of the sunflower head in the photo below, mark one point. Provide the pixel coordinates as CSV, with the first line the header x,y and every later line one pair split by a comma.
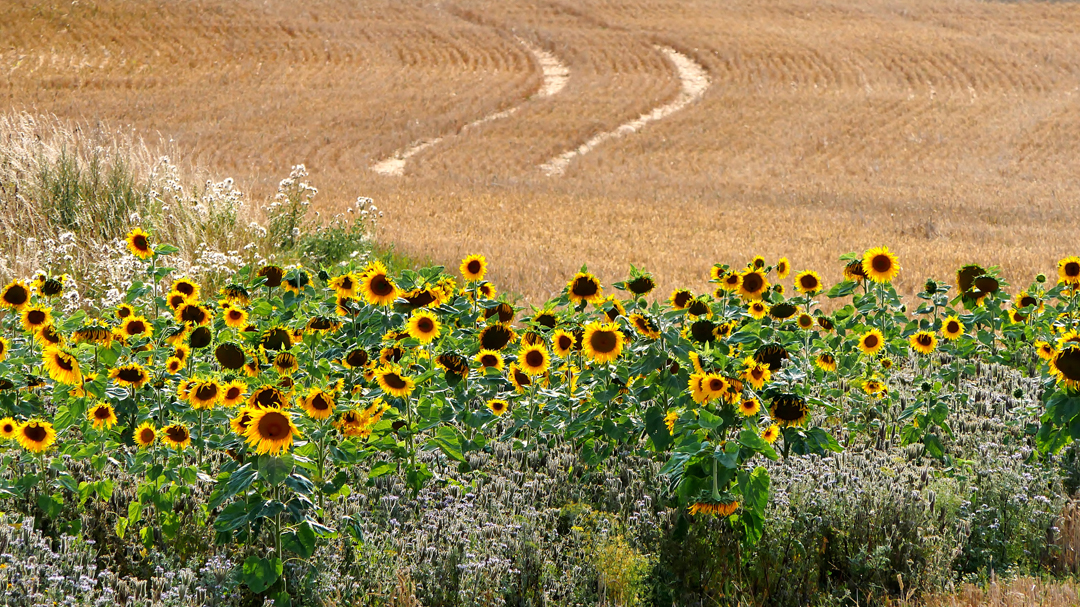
x,y
641,285
496,336
770,434
1069,271
138,242
871,342
101,416
498,406
749,406
285,363
789,410
394,382
807,282
952,328
145,435
473,268
645,325
854,271
318,403
923,342
757,309
825,361
15,295
35,435
584,287
534,359
355,359
880,265
131,374
423,326
602,342
8,427
753,284
270,431
176,436
1065,366
711,508
783,267
376,286
62,366
230,356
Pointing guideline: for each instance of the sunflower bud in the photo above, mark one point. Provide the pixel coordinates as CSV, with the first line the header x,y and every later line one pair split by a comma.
x,y
930,287
1018,393
1040,278
927,387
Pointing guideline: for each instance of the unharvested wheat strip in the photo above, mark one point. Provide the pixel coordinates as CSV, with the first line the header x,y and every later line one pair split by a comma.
x,y
694,79
555,75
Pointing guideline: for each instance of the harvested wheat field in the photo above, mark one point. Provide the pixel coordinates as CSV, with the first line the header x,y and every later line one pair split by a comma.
x,y
670,134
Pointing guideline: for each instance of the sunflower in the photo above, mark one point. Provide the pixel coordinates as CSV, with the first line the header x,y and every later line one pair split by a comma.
x,y
376,285
50,286
806,322
236,318
296,280
454,364
825,323
757,309
696,307
176,436
240,423
952,328
101,416
138,243
584,287
135,326
731,282
345,285
789,410
880,265
749,406
390,355
285,363
322,324
35,435
825,361
8,426
758,374
641,285
562,342
782,311
498,406
272,274
145,435
355,359
807,282
602,342
854,271
783,267
519,378
923,342
534,359
874,387
48,336
712,386
871,342
318,403
230,356
270,431
186,287
173,365
236,294
473,268
486,290
1045,350
393,382
131,374
124,310
4,348
1069,271
613,308
233,393
714,508
423,326
771,355
183,389
276,338
62,366
193,313
753,284
645,325
35,317
15,295
496,336
205,394
770,434
701,331
680,298
1024,300
1065,366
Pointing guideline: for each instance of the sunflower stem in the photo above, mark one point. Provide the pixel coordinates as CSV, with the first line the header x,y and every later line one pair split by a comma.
x,y
202,439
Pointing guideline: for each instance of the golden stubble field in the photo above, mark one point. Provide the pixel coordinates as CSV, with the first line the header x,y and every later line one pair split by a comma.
x,y
947,130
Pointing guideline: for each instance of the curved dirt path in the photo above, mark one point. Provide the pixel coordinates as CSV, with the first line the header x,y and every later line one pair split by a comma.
x,y
555,73
695,80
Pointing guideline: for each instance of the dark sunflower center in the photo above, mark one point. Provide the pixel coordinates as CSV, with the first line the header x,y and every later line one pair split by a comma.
x,y
235,315
65,363
871,341
603,342
697,307
136,326
16,295
925,340
732,279
147,435
35,317
130,374
681,299
346,284
881,263
357,358
522,379
495,337
716,384
565,342
1028,301
319,403
1068,363
753,282
425,325
789,409
186,288
473,266
8,428
245,419
952,326
585,287
827,359
123,312
489,360
193,314
498,407
35,433
101,413
808,282
534,358
176,434
206,392
140,242
395,381
380,286
274,426
1072,269
757,373
232,393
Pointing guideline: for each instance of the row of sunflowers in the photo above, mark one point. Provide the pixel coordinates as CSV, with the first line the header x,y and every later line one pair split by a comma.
x,y
291,386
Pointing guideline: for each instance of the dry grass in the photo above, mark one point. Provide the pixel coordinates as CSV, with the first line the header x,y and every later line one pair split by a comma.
x,y
946,130
1019,592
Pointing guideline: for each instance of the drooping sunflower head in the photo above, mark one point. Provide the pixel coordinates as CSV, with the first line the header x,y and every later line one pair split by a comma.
x,y
296,280
520,379
132,374
641,285
235,293
1069,271
854,271
391,354
680,298
318,404
498,406
711,508
952,328
873,387
825,361
454,364
285,363
923,342
193,313
696,307
783,267
355,359
273,276
703,331
473,268
496,336
200,337
772,356
1065,366
789,410
138,242
871,342
101,416
753,284
880,265
345,285
645,325
394,382
807,282
584,287
145,435
267,397
276,338
783,311
62,366
15,295
35,435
